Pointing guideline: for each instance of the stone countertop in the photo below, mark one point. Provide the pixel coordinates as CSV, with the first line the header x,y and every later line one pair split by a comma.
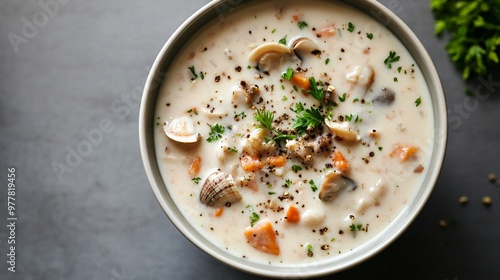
x,y
75,69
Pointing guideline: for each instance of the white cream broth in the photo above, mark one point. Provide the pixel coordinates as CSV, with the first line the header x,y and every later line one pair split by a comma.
x,y
384,182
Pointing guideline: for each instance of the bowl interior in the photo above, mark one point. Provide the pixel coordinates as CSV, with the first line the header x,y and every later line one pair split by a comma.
x,y
217,9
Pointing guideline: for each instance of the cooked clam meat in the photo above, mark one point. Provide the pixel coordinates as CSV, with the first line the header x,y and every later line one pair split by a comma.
x,y
181,130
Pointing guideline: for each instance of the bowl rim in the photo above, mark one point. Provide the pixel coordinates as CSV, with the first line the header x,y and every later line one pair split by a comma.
x,y
146,140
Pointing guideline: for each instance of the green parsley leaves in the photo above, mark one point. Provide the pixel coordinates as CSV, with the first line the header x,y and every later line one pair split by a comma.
x,y
351,27
216,132
314,188
317,92
475,33
306,118
282,41
265,119
288,74
418,101
392,58
302,24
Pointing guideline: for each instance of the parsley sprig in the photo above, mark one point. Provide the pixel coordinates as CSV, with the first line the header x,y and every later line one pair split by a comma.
x,y
306,118
474,26
216,132
316,90
266,119
392,58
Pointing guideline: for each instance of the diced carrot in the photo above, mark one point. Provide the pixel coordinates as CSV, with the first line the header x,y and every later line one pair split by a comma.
x,y
250,164
195,167
404,152
218,212
340,161
297,17
301,80
262,237
327,31
292,215
276,161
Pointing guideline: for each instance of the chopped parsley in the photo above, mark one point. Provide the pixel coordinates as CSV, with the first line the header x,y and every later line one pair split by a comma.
x,y
282,41
271,193
254,218
395,79
327,61
380,148
240,115
351,27
284,98
313,186
392,58
288,74
342,98
309,249
232,150
266,118
354,227
418,101
216,132
193,72
399,69
302,24
202,76
317,92
196,180
369,35
288,182
296,168
274,30
306,118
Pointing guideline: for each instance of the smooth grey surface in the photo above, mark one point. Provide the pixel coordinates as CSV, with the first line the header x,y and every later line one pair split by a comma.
x,y
85,66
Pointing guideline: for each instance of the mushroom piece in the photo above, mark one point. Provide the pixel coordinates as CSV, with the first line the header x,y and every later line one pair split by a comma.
x,y
342,131
334,182
182,130
385,97
303,46
268,56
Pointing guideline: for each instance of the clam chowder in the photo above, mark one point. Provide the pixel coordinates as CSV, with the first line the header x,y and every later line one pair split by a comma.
x,y
293,131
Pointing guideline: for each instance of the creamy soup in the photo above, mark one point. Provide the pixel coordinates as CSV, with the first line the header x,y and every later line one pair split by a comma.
x,y
293,131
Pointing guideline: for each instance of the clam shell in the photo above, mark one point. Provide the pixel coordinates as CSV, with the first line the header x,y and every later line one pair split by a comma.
x,y
218,189
181,130
268,55
303,46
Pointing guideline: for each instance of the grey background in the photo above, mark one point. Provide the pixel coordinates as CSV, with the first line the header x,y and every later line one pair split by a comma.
x,y
100,220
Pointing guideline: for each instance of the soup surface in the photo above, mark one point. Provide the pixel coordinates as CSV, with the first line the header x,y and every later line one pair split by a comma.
x,y
293,131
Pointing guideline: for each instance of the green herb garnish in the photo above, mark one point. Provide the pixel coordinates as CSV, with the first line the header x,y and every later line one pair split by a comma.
x,y
254,218
296,168
351,27
271,193
282,41
342,98
288,182
306,118
196,180
392,58
418,101
193,72
216,132
313,186
317,92
327,61
288,74
302,24
232,149
474,26
265,119
369,35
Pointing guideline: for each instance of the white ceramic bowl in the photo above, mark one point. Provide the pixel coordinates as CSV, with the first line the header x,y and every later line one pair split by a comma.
x,y
215,9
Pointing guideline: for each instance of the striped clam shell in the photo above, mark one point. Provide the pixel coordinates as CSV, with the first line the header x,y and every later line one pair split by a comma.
x,y
218,189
